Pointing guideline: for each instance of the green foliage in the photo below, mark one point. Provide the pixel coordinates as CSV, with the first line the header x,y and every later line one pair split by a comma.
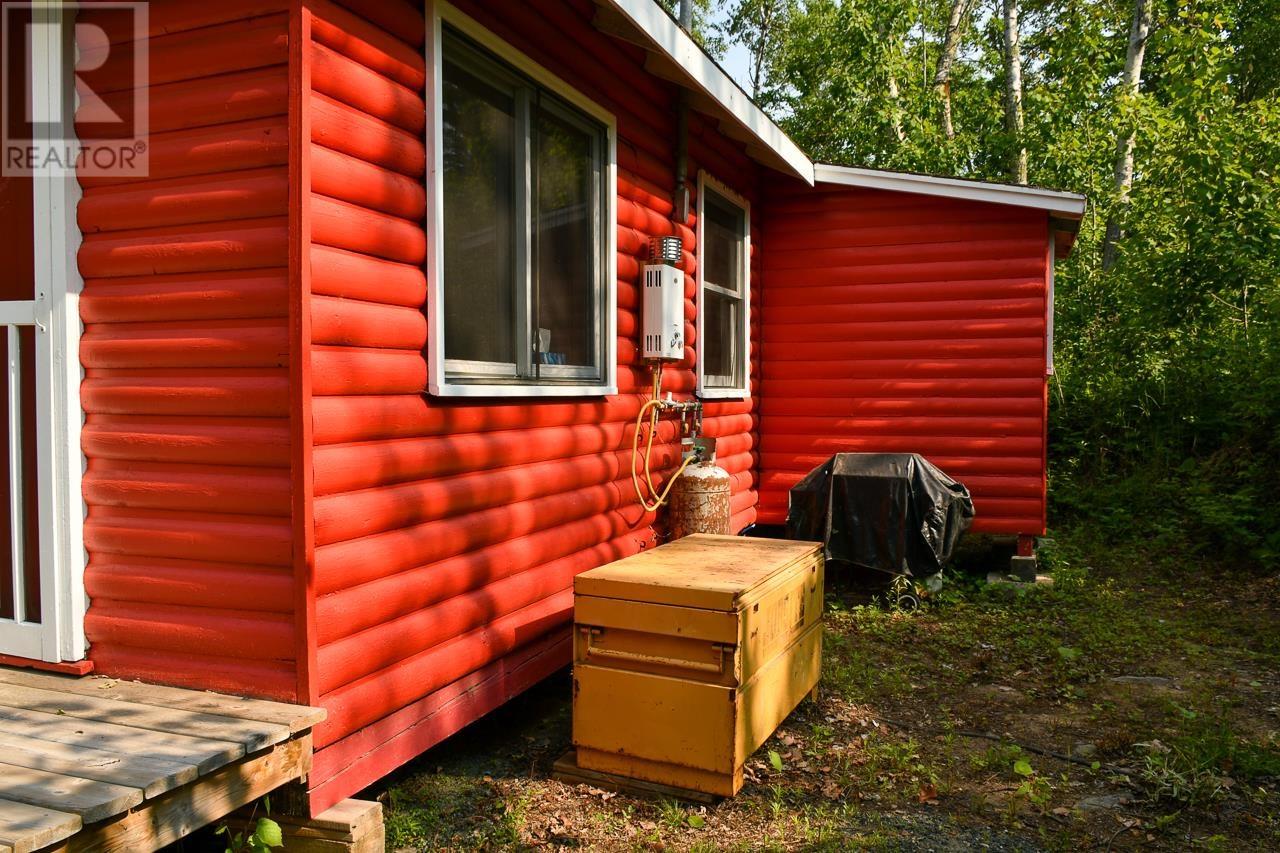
x,y
1032,787
1167,389
266,834
1205,759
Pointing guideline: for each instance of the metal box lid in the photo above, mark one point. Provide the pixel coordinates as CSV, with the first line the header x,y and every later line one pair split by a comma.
x,y
704,571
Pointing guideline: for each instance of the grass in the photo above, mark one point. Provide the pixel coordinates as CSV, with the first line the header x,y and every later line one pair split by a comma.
x,y
946,724
442,810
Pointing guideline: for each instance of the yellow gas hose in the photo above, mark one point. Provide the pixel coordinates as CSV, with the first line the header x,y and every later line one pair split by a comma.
x,y
655,405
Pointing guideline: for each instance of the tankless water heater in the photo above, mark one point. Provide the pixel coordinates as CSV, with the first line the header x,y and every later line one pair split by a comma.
x,y
664,301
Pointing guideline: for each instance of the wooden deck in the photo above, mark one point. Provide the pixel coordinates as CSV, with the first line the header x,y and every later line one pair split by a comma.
x,y
100,764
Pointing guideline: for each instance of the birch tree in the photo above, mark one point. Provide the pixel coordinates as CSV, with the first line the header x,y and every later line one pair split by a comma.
x,y
1130,85
1013,92
890,44
757,25
895,107
947,58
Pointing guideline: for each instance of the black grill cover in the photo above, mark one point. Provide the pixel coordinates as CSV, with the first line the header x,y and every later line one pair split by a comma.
x,y
892,512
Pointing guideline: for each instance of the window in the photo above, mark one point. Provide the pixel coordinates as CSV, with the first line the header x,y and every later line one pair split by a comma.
x,y
724,254
523,270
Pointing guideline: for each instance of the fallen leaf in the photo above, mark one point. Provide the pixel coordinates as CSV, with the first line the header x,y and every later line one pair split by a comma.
x,y
928,794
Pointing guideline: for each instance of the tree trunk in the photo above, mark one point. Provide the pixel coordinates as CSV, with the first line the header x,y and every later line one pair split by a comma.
x,y
1139,32
897,108
1013,92
950,46
760,51
889,58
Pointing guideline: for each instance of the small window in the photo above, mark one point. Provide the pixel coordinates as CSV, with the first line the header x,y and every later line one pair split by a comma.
x,y
523,297
724,258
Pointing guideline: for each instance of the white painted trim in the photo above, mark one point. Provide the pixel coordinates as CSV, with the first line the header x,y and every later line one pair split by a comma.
x,y
439,12
56,317
62,463
1066,204
17,313
705,76
706,181
16,485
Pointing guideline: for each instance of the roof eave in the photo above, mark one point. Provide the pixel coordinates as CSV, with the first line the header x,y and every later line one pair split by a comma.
x,y
1064,207
674,55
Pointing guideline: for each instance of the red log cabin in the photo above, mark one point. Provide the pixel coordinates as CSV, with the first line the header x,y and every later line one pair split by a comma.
x,y
331,401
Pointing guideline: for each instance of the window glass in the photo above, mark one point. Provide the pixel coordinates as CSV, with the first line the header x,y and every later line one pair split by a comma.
x,y
722,235
523,199
566,241
479,153
720,329
723,298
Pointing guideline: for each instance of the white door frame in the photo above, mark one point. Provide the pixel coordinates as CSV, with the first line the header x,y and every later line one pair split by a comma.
x,y
59,636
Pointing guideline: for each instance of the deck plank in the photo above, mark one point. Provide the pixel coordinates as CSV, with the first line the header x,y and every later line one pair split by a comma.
x,y
205,754
179,812
295,717
153,775
253,734
93,801
101,764
24,828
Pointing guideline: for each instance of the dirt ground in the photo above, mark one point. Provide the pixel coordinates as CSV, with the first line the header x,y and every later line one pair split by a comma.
x,y
1129,705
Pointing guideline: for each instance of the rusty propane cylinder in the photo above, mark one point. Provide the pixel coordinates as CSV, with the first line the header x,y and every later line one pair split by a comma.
x,y
700,501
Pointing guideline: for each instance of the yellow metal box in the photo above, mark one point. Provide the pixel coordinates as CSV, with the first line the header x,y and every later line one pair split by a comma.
x,y
687,657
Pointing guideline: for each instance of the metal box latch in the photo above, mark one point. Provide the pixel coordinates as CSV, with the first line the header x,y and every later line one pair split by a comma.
x,y
721,650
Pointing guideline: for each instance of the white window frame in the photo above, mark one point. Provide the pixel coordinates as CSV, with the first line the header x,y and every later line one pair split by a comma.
x,y
440,383
59,636
705,182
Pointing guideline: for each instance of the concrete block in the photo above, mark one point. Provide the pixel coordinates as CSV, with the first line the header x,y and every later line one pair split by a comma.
x,y
1023,568
1012,587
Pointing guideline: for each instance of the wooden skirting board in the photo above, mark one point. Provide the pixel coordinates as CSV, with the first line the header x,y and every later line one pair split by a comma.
x,y
105,765
348,826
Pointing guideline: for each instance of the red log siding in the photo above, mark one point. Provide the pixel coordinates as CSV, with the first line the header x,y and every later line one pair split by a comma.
x,y
447,532
185,350
897,322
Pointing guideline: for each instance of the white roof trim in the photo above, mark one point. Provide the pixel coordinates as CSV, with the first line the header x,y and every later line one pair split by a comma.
x,y
705,76
1069,205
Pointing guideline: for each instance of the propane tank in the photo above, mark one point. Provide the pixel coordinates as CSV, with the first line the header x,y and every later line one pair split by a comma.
x,y
700,500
